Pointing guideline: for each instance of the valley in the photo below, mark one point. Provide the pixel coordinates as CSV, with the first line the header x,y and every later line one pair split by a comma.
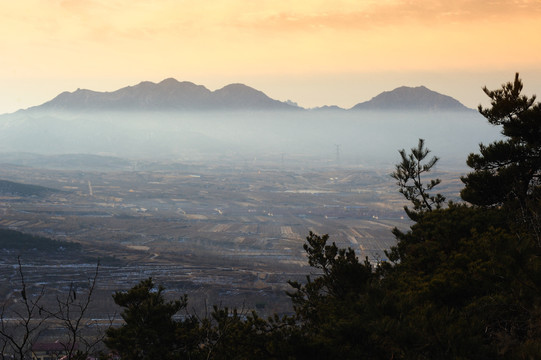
x,y
223,234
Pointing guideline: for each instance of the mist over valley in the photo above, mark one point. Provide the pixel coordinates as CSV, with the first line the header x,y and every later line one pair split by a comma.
x,y
270,180
181,121
213,193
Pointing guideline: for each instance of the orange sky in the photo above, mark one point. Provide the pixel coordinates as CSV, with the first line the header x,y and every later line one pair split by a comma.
x,y
313,52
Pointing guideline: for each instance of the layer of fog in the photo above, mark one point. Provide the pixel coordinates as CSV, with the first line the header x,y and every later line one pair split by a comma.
x,y
290,139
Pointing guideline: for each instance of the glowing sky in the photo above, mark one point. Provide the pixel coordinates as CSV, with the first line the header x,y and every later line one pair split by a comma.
x,y
313,52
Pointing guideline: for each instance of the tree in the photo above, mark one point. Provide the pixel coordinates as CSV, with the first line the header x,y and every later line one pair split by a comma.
x,y
409,175
19,333
510,169
149,329
333,310
232,334
464,282
24,321
72,314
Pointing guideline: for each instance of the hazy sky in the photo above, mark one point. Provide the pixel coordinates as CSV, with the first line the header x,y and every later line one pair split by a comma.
x,y
313,52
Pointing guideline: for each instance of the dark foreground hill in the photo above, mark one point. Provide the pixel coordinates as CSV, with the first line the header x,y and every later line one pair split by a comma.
x,y
16,240
14,188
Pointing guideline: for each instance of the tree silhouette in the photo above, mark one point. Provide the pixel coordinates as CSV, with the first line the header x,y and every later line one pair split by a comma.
x,y
409,175
149,329
509,169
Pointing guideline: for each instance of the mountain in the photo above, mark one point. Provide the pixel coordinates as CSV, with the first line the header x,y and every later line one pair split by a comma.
x,y
168,95
412,98
173,95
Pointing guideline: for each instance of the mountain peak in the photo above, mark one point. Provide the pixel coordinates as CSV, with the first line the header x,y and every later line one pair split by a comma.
x,y
169,82
238,88
411,98
240,96
169,94
173,95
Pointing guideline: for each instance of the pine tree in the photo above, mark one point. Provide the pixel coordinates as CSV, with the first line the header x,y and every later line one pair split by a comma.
x,y
149,329
409,174
510,169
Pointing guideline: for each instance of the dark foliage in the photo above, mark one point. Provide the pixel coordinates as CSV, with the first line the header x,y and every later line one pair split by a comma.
x,y
409,174
325,306
149,330
508,169
464,282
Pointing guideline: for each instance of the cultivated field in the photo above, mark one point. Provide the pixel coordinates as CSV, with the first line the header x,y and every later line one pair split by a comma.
x,y
229,235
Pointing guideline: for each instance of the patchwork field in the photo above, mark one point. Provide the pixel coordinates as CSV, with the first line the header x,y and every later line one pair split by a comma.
x,y
224,235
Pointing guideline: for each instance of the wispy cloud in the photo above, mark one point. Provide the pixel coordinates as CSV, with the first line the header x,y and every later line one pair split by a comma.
x,y
301,35
106,20
368,14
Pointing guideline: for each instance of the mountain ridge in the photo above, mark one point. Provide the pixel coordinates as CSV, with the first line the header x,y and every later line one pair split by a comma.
x,y
169,94
173,95
411,98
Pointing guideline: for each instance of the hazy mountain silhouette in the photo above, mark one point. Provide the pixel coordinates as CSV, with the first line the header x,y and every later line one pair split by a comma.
x,y
168,95
173,95
412,98
182,120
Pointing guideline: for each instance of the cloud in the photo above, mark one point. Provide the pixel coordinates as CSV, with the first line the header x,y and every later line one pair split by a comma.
x,y
239,36
367,14
108,20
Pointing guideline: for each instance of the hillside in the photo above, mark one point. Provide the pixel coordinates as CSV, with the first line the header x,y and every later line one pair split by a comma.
x,y
16,240
13,188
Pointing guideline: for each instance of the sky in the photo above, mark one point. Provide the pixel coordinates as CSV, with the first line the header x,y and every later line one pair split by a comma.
x,y
313,52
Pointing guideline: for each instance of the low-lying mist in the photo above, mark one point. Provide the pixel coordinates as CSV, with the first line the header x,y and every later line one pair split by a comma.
x,y
303,138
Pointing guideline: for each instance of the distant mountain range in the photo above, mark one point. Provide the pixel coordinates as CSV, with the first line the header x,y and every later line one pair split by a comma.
x,y
168,95
183,121
173,95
